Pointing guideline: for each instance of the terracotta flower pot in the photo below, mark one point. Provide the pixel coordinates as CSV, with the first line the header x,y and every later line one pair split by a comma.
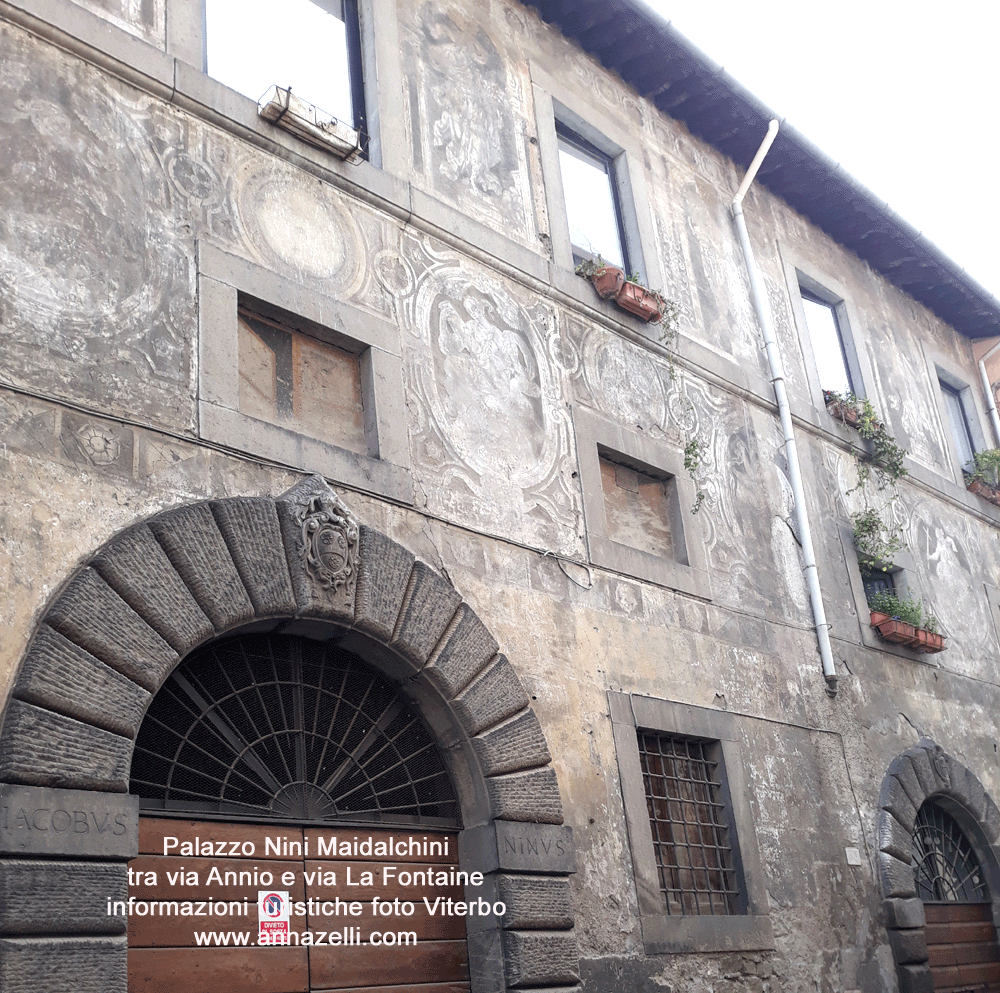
x,y
849,415
897,631
984,490
608,280
641,302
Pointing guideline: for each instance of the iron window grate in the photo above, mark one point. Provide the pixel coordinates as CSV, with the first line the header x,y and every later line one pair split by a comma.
x,y
286,728
944,865
689,824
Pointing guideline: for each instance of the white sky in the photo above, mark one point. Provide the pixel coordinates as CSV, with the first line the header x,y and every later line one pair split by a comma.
x,y
903,95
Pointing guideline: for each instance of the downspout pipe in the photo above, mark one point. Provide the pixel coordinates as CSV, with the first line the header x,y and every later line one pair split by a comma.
x,y
758,296
988,394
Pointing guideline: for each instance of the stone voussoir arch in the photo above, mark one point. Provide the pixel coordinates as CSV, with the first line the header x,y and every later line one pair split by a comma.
x,y
191,574
923,773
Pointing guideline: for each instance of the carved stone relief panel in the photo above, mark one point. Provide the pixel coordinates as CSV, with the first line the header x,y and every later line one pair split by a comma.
x,y
95,274
467,105
489,430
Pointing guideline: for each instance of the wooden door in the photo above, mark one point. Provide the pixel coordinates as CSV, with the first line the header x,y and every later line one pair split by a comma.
x,y
962,946
164,951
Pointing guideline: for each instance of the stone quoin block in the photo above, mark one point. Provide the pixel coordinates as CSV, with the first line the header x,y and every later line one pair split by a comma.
x,y
384,568
539,958
198,552
902,768
252,534
904,913
909,946
494,695
535,903
92,615
41,748
50,821
526,796
58,965
427,610
975,795
895,840
56,898
138,570
991,819
517,847
896,877
894,800
58,675
466,652
517,743
928,771
915,979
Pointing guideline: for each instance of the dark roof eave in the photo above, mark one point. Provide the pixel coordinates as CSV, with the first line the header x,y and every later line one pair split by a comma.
x,y
794,168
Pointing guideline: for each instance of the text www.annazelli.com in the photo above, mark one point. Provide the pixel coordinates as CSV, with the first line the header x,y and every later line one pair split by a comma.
x,y
307,938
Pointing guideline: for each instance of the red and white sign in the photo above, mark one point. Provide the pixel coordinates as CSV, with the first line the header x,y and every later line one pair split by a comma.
x,y
273,908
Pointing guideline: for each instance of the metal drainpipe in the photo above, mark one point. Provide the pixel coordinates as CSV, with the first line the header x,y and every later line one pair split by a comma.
x,y
988,391
763,310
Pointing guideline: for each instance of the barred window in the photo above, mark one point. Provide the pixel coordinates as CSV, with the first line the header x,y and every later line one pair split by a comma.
x,y
689,823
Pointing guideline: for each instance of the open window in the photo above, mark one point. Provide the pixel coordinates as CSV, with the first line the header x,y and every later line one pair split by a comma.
x,y
310,50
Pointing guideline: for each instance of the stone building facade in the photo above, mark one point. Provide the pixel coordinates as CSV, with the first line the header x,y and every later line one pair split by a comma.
x,y
255,393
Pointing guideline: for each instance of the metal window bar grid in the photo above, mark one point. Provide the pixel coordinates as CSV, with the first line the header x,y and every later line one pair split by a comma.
x,y
694,859
945,866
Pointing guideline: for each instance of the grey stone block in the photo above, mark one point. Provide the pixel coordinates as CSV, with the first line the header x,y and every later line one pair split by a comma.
x,y
915,979
41,748
494,695
894,839
991,819
975,794
517,743
44,820
428,608
909,946
526,796
535,958
517,847
92,615
535,903
465,654
902,769
959,785
904,913
384,568
252,533
896,877
331,602
486,973
61,965
58,898
63,677
138,570
895,801
197,550
930,781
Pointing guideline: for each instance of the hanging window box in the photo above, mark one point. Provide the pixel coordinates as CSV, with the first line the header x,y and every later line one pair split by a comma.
x,y
928,642
984,490
645,304
608,280
312,125
893,629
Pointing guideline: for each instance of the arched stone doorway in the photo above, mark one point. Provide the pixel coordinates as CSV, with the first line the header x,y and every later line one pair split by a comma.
x,y
303,565
939,873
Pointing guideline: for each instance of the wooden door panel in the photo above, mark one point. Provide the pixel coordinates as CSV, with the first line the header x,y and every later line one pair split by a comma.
x,y
366,966
214,970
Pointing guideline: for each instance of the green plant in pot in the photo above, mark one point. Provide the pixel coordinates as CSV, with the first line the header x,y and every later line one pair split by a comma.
x,y
983,477
876,541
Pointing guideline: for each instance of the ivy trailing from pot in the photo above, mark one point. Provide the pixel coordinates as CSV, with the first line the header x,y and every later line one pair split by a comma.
x,y
875,540
883,457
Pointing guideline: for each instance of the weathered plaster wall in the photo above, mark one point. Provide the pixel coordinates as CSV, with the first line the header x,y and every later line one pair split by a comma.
x,y
115,189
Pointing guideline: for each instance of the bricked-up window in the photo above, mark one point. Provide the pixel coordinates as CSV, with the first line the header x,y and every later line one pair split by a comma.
x,y
288,377
689,823
639,507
